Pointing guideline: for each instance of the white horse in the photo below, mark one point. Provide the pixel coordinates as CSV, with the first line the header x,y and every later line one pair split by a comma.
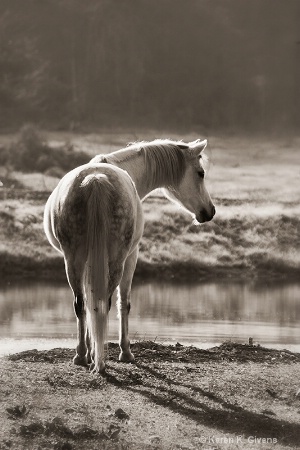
x,y
94,218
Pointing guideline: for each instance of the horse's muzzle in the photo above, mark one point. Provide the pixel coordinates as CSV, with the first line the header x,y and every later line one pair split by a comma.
x,y
205,215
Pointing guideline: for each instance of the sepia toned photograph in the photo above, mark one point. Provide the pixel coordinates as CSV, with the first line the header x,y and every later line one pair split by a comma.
x,y
149,225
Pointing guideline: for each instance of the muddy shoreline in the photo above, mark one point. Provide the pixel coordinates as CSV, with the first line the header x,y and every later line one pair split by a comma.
x,y
173,397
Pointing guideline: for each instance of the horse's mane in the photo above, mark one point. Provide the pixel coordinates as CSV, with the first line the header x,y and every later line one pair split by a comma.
x,y
165,159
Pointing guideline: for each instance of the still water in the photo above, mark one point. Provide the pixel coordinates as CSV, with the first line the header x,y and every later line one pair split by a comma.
x,y
40,315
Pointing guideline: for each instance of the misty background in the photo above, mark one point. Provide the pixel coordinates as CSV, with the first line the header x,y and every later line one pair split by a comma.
x,y
221,65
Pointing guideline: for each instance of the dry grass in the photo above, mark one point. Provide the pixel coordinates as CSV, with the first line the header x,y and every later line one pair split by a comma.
x,y
243,241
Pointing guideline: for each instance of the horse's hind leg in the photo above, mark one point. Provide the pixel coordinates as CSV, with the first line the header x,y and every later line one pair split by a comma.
x,y
74,274
81,350
124,306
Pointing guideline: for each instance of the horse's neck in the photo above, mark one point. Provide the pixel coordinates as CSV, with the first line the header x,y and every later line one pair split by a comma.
x,y
136,169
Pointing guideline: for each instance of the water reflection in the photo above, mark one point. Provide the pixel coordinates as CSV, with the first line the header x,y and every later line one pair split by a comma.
x,y
194,313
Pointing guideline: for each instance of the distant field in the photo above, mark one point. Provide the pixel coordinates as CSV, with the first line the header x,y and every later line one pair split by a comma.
x,y
256,232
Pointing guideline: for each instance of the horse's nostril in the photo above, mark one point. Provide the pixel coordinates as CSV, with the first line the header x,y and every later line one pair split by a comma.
x,y
206,216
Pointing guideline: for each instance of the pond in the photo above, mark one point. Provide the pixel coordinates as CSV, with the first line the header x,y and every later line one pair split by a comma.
x,y
40,314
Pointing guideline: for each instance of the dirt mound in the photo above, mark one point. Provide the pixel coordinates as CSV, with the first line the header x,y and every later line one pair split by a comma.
x,y
151,351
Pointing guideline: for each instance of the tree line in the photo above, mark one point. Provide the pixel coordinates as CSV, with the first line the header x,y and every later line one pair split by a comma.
x,y
215,65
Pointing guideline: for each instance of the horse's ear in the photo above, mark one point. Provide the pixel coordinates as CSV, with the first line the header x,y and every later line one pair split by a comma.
x,y
198,146
102,159
183,146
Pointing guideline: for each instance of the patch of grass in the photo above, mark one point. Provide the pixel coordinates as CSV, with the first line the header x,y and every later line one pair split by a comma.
x,y
24,248
251,243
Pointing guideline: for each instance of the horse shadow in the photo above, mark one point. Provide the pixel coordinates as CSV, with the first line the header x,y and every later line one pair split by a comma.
x,y
219,413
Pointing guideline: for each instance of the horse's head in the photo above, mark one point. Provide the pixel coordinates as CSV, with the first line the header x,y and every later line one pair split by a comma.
x,y
191,191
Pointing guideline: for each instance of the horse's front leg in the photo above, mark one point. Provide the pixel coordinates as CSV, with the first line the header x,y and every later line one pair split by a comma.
x,y
124,306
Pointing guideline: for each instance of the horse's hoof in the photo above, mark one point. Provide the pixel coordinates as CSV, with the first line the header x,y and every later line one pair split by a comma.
x,y
97,369
80,360
126,357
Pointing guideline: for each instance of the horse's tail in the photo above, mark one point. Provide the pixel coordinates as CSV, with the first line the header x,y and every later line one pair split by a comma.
x,y
95,280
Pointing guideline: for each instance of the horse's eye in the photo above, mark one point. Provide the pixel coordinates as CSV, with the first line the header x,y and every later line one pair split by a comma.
x,y
201,174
